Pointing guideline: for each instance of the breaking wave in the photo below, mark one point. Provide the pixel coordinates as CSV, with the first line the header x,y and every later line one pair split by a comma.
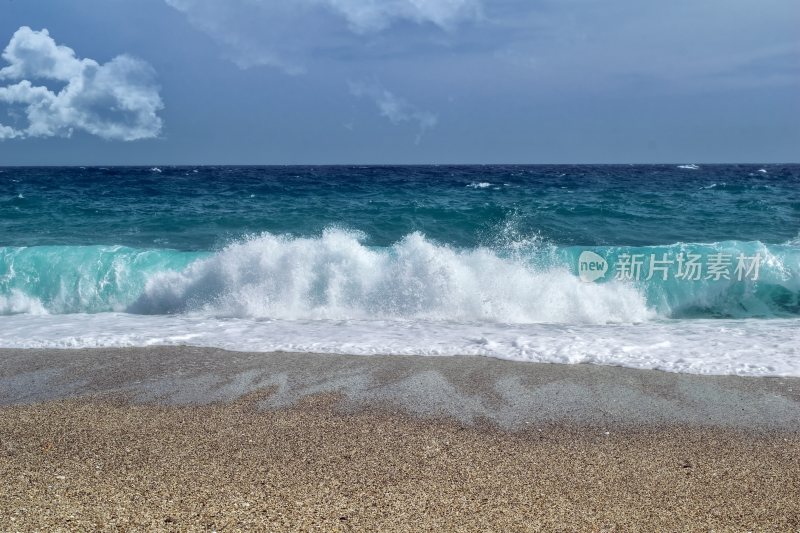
x,y
336,276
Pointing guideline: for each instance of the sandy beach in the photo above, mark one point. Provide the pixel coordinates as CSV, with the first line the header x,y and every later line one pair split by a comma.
x,y
188,438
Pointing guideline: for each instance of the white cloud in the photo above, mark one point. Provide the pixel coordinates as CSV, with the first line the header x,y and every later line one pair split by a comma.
x,y
375,15
253,34
7,132
288,34
117,100
394,108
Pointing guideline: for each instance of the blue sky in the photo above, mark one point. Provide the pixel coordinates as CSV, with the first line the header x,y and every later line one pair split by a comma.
x,y
398,81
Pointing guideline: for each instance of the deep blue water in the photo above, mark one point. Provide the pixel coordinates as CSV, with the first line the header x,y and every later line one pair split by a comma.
x,y
204,208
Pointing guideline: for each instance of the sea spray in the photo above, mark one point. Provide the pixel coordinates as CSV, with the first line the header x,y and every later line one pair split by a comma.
x,y
336,276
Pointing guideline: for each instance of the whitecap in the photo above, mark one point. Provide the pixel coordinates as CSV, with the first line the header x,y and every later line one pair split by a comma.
x,y
337,277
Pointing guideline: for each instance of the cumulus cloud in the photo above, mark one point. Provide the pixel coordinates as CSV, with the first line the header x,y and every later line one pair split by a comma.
x,y
395,109
288,34
117,100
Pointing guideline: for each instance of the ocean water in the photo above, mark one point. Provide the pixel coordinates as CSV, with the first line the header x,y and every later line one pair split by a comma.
x,y
683,268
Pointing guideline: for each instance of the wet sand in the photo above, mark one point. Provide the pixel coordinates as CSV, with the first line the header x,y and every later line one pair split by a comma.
x,y
185,438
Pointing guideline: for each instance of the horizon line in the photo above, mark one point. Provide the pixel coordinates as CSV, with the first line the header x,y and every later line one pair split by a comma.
x,y
153,165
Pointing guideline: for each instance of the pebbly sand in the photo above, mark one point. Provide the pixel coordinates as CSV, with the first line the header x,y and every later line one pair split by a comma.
x,y
188,438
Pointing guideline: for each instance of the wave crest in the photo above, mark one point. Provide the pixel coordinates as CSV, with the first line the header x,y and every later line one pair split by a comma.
x,y
337,277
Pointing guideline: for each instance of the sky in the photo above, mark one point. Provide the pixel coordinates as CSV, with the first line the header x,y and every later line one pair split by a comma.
x,y
147,82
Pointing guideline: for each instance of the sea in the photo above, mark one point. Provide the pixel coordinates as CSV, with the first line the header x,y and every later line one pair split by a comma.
x,y
682,267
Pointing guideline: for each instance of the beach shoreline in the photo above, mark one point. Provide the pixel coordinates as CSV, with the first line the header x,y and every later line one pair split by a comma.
x,y
175,438
508,394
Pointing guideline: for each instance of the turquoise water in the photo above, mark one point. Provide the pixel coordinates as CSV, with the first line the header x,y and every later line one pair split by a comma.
x,y
98,278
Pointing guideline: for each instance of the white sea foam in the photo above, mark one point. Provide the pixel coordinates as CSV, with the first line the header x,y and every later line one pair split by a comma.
x,y
17,302
691,166
742,347
479,185
337,277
